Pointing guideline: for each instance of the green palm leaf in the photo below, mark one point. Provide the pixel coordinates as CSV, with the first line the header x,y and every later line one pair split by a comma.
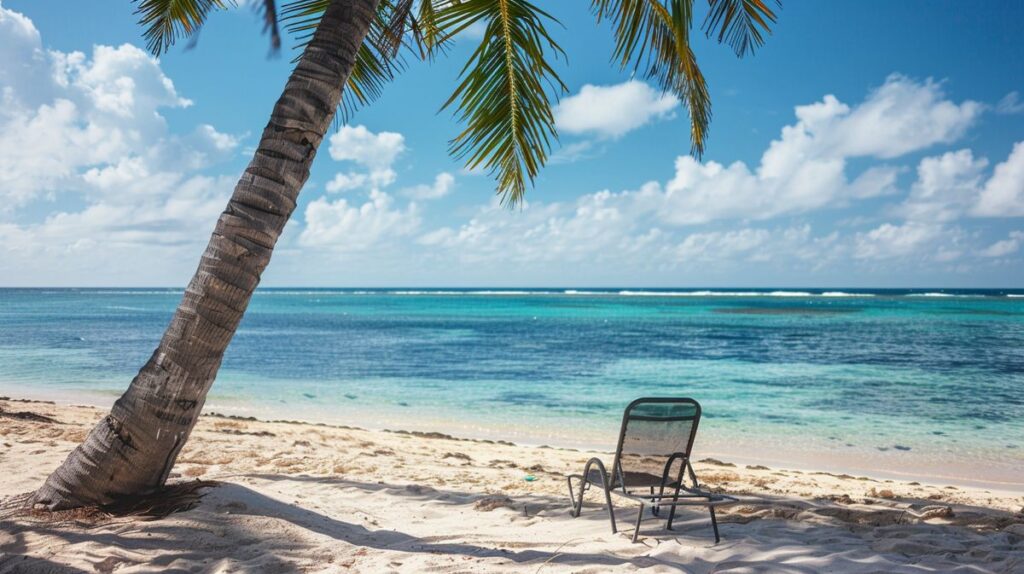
x,y
653,38
165,21
503,93
740,23
379,58
267,9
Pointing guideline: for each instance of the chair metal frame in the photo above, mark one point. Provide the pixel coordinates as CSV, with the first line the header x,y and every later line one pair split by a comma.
x,y
594,472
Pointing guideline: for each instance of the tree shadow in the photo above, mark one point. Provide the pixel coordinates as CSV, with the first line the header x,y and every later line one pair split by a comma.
x,y
23,563
257,532
166,544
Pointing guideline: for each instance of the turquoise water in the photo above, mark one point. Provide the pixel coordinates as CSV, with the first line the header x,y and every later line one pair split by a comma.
x,y
916,383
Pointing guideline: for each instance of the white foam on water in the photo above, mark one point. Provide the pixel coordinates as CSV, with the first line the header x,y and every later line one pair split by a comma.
x,y
424,292
690,293
510,292
790,294
845,294
496,292
126,292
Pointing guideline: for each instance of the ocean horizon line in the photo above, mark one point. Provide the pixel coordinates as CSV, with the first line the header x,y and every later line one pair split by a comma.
x,y
718,291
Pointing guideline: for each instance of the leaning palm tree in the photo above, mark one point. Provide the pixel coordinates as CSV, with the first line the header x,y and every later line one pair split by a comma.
x,y
351,49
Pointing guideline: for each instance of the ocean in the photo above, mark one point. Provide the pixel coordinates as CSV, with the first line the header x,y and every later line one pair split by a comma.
x,y
901,383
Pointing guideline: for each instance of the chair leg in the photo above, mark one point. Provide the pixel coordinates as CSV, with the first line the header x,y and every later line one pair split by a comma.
x,y
572,499
577,501
672,511
714,523
611,509
639,517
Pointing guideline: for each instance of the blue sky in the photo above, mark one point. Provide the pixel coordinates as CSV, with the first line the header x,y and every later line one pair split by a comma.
x,y
866,144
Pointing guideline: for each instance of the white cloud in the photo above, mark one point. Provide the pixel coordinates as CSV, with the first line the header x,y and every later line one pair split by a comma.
x,y
443,184
26,66
805,169
613,111
89,129
374,151
946,186
377,152
953,185
1010,104
595,231
1003,195
1004,247
571,153
889,241
83,113
346,181
133,201
899,117
348,227
220,141
721,244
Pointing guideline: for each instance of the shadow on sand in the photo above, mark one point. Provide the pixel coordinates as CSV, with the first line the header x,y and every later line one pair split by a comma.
x,y
257,532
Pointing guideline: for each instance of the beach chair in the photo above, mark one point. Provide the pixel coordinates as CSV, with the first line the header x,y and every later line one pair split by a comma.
x,y
652,461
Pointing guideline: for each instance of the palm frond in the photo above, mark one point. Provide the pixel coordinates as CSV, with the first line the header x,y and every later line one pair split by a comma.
x,y
430,38
165,21
267,9
741,24
378,60
503,95
652,37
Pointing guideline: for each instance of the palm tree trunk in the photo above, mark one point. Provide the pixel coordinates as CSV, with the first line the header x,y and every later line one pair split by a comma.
x,y
131,451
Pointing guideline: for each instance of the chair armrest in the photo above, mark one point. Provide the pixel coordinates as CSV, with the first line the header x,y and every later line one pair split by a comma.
x,y
600,467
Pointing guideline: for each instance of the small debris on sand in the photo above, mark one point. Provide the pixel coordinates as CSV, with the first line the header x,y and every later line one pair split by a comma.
x,y
492,501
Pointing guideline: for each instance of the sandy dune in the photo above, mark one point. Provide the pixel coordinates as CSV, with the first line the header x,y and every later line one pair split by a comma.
x,y
295,497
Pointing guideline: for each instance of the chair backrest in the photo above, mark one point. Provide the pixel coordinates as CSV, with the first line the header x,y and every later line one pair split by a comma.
x,y
655,432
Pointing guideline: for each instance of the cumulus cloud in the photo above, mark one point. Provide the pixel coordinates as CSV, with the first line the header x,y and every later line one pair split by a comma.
x,y
889,241
596,230
1003,195
946,186
136,199
613,111
104,108
1010,104
956,184
90,127
443,184
345,226
25,73
1004,247
899,117
345,181
806,167
376,152
358,144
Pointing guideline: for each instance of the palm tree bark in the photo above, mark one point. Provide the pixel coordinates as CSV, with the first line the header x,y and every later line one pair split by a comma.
x,y
131,451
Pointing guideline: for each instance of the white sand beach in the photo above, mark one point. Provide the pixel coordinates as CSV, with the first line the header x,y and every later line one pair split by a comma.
x,y
296,497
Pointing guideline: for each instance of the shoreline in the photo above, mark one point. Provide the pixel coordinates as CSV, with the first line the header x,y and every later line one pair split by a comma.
x,y
806,463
